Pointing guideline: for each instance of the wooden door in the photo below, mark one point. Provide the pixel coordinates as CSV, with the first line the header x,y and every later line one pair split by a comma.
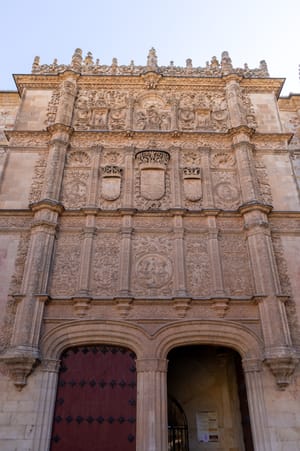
x,y
96,400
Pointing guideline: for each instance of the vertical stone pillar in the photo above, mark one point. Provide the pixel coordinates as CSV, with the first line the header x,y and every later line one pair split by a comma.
x,y
245,166
279,352
215,257
174,117
176,178
24,352
152,405
128,177
125,257
82,299
44,415
180,270
68,91
3,158
59,141
234,101
92,195
208,197
255,393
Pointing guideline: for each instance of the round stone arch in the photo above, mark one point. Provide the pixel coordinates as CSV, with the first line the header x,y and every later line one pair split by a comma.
x,y
77,333
219,333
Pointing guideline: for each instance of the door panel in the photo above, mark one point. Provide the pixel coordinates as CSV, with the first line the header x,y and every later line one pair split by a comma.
x,y
96,400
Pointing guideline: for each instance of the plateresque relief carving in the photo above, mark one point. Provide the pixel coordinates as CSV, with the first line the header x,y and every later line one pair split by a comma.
x,y
153,268
105,265
192,183
235,262
38,178
152,112
66,265
111,182
197,266
101,110
151,177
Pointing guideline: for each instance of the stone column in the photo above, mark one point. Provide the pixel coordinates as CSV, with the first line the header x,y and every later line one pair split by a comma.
x,y
44,415
125,257
221,302
128,178
208,197
23,353
180,270
234,101
152,405
124,298
176,178
82,299
245,165
279,352
255,394
68,91
3,158
174,119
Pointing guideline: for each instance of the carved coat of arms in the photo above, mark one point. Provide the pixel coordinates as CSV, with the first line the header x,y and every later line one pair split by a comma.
x,y
192,183
152,164
111,182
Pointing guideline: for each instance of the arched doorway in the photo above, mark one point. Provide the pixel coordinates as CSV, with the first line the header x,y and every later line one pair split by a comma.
x,y
208,383
96,400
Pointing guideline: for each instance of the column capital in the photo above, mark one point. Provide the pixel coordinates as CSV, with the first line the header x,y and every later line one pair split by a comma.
x,y
252,365
148,365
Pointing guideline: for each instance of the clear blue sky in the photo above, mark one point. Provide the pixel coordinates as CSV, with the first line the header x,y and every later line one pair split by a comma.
x,y
126,29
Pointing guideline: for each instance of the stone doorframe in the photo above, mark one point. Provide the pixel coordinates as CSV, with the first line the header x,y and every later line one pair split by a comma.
x,y
151,351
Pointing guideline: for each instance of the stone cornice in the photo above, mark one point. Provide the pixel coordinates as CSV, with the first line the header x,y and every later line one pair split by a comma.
x,y
52,81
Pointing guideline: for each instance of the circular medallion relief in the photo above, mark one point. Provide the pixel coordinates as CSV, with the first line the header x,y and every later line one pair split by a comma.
x,y
153,270
226,192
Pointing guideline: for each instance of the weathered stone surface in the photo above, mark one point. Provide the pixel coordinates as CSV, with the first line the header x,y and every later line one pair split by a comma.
x,y
152,208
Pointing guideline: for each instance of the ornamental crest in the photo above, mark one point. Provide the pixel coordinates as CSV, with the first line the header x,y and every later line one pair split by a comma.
x,y
153,166
192,183
154,270
111,182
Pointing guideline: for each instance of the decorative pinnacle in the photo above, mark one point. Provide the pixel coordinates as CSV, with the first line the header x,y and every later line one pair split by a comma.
x,y
77,60
152,60
226,63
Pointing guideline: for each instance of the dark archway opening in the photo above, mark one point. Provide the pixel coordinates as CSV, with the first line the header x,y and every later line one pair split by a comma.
x,y
208,384
96,400
178,439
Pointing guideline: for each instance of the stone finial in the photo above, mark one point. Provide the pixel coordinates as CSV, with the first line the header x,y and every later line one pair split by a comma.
x,y
152,60
226,64
77,60
88,60
189,63
214,62
263,67
36,64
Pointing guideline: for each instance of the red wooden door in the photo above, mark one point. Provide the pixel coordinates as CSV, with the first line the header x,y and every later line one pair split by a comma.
x,y
96,400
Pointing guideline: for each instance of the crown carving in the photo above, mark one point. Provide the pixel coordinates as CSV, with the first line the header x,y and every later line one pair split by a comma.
x,y
192,173
153,158
112,171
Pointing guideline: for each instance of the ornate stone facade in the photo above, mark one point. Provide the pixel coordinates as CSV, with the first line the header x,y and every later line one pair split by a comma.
x,y
150,207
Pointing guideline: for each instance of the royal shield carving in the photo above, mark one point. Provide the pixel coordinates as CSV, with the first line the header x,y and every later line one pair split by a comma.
x,y
111,182
153,166
152,183
192,184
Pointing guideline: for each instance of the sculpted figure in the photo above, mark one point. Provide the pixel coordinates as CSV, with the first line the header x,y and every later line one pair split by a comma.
x,y
187,118
153,119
